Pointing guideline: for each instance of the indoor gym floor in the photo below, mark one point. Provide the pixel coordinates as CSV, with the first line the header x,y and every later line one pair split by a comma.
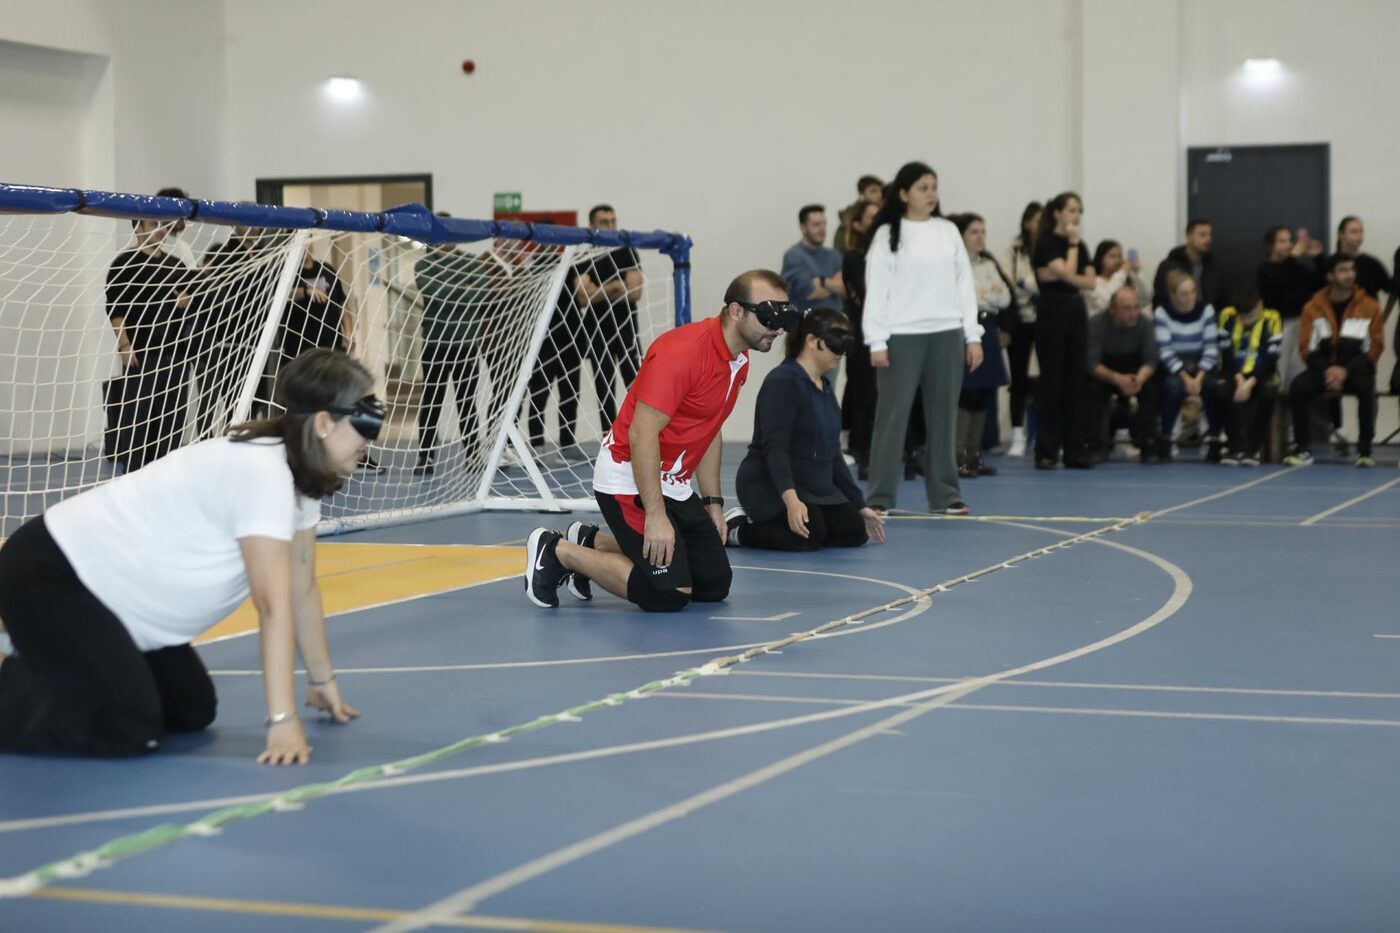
x,y
1189,722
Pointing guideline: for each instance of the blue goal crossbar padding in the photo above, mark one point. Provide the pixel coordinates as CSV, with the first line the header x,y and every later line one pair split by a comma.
x,y
410,220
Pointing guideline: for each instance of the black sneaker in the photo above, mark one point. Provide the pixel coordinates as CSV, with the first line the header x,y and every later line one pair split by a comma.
x,y
426,465
369,465
582,534
958,507
1215,450
1249,458
734,519
543,572
1231,458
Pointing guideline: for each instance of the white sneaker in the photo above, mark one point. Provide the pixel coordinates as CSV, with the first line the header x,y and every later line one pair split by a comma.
x,y
1018,443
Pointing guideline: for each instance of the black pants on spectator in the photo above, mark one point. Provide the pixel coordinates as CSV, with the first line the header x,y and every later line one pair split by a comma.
x,y
1310,385
1246,423
614,351
458,362
1018,353
1105,399
858,401
559,362
77,683
1061,346
838,525
146,409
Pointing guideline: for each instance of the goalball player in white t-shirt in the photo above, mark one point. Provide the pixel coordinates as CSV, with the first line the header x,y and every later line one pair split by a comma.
x,y
102,595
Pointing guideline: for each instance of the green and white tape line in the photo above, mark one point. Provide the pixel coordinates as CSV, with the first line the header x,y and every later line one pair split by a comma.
x,y
125,847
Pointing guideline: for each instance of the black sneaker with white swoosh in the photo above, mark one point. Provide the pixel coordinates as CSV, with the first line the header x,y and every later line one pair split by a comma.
x,y
543,572
582,534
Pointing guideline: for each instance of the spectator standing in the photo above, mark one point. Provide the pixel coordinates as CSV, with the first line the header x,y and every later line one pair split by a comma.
x,y
1286,279
1195,257
996,306
921,326
1020,269
812,269
858,400
1062,337
869,190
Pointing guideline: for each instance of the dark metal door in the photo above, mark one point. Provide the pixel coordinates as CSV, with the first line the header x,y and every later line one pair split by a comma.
x,y
1244,190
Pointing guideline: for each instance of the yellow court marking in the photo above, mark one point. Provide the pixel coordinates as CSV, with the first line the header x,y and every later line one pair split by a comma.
x,y
356,576
334,912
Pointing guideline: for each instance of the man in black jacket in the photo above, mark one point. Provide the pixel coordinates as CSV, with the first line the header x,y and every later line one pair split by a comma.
x,y
1194,258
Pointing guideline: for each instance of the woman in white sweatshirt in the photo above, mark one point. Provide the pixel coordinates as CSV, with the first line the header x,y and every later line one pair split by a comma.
x,y
921,326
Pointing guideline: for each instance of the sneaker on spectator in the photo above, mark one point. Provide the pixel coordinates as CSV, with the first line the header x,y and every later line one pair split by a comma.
x,y
543,572
957,508
368,464
1366,460
427,463
1230,458
582,534
1018,443
1215,450
1298,458
1249,458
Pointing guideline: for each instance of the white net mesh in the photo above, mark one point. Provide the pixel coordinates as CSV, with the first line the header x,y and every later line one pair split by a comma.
x,y
502,362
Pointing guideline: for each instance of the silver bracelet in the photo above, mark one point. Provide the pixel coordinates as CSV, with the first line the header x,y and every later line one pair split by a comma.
x,y
276,719
319,683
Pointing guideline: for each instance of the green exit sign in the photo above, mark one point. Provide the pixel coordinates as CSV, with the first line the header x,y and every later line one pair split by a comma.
x,y
507,202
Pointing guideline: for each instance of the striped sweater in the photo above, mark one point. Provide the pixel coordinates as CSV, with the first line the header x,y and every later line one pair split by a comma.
x,y
1187,337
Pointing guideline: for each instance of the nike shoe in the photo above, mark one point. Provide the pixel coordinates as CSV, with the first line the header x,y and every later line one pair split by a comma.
x,y
1298,458
582,534
735,518
543,572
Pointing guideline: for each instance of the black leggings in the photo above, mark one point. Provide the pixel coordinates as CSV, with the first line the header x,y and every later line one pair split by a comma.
x,y
839,525
77,683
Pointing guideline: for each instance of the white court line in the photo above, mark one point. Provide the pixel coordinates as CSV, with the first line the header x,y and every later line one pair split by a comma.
x,y
1078,685
918,607
1349,503
1227,492
1015,708
466,899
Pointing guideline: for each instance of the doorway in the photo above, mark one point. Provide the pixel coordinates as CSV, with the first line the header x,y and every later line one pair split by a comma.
x,y
1244,190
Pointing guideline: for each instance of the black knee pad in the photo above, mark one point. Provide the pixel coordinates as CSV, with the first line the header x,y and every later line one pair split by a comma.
x,y
712,591
192,717
654,599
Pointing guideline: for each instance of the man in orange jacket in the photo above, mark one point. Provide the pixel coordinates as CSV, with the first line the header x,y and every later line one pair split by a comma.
x,y
1340,338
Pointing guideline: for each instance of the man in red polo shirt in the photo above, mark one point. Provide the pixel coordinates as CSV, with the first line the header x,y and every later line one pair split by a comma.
x,y
667,541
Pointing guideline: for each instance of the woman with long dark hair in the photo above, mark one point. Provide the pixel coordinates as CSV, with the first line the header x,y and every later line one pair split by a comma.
x,y
858,400
102,595
921,326
795,490
1062,335
1021,340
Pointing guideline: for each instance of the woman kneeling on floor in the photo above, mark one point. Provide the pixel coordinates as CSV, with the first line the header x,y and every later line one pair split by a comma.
x,y
102,595
795,490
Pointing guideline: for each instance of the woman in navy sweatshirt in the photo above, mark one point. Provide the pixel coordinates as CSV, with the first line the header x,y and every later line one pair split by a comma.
x,y
795,490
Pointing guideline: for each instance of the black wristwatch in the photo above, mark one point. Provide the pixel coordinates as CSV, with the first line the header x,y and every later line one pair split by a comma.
x,y
712,500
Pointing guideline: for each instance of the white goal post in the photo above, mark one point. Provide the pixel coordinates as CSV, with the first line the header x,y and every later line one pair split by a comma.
x,y
132,325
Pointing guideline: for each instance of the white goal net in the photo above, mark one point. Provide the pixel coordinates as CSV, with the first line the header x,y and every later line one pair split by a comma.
x,y
501,350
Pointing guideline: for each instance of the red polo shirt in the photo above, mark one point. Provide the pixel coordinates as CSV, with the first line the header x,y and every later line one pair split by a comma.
x,y
689,374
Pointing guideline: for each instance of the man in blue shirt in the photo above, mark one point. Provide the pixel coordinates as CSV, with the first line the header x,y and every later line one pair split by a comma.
x,y
812,269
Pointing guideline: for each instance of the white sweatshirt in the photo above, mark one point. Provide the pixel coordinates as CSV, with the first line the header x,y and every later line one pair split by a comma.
x,y
925,288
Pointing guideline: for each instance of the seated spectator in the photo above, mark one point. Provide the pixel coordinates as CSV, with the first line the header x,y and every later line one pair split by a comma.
x,y
869,190
1195,258
1340,338
812,269
795,490
1112,272
997,313
1122,360
1188,346
1246,388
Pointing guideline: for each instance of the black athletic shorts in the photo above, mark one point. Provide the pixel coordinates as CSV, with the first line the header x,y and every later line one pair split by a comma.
x,y
699,554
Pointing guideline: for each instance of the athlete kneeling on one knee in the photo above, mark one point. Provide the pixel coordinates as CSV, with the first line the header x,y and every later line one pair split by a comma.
x,y
102,595
667,542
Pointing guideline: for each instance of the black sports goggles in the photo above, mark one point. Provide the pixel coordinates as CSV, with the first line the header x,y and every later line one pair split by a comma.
x,y
774,315
366,417
838,341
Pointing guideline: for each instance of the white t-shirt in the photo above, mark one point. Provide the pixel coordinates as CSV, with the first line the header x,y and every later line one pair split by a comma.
x,y
159,547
